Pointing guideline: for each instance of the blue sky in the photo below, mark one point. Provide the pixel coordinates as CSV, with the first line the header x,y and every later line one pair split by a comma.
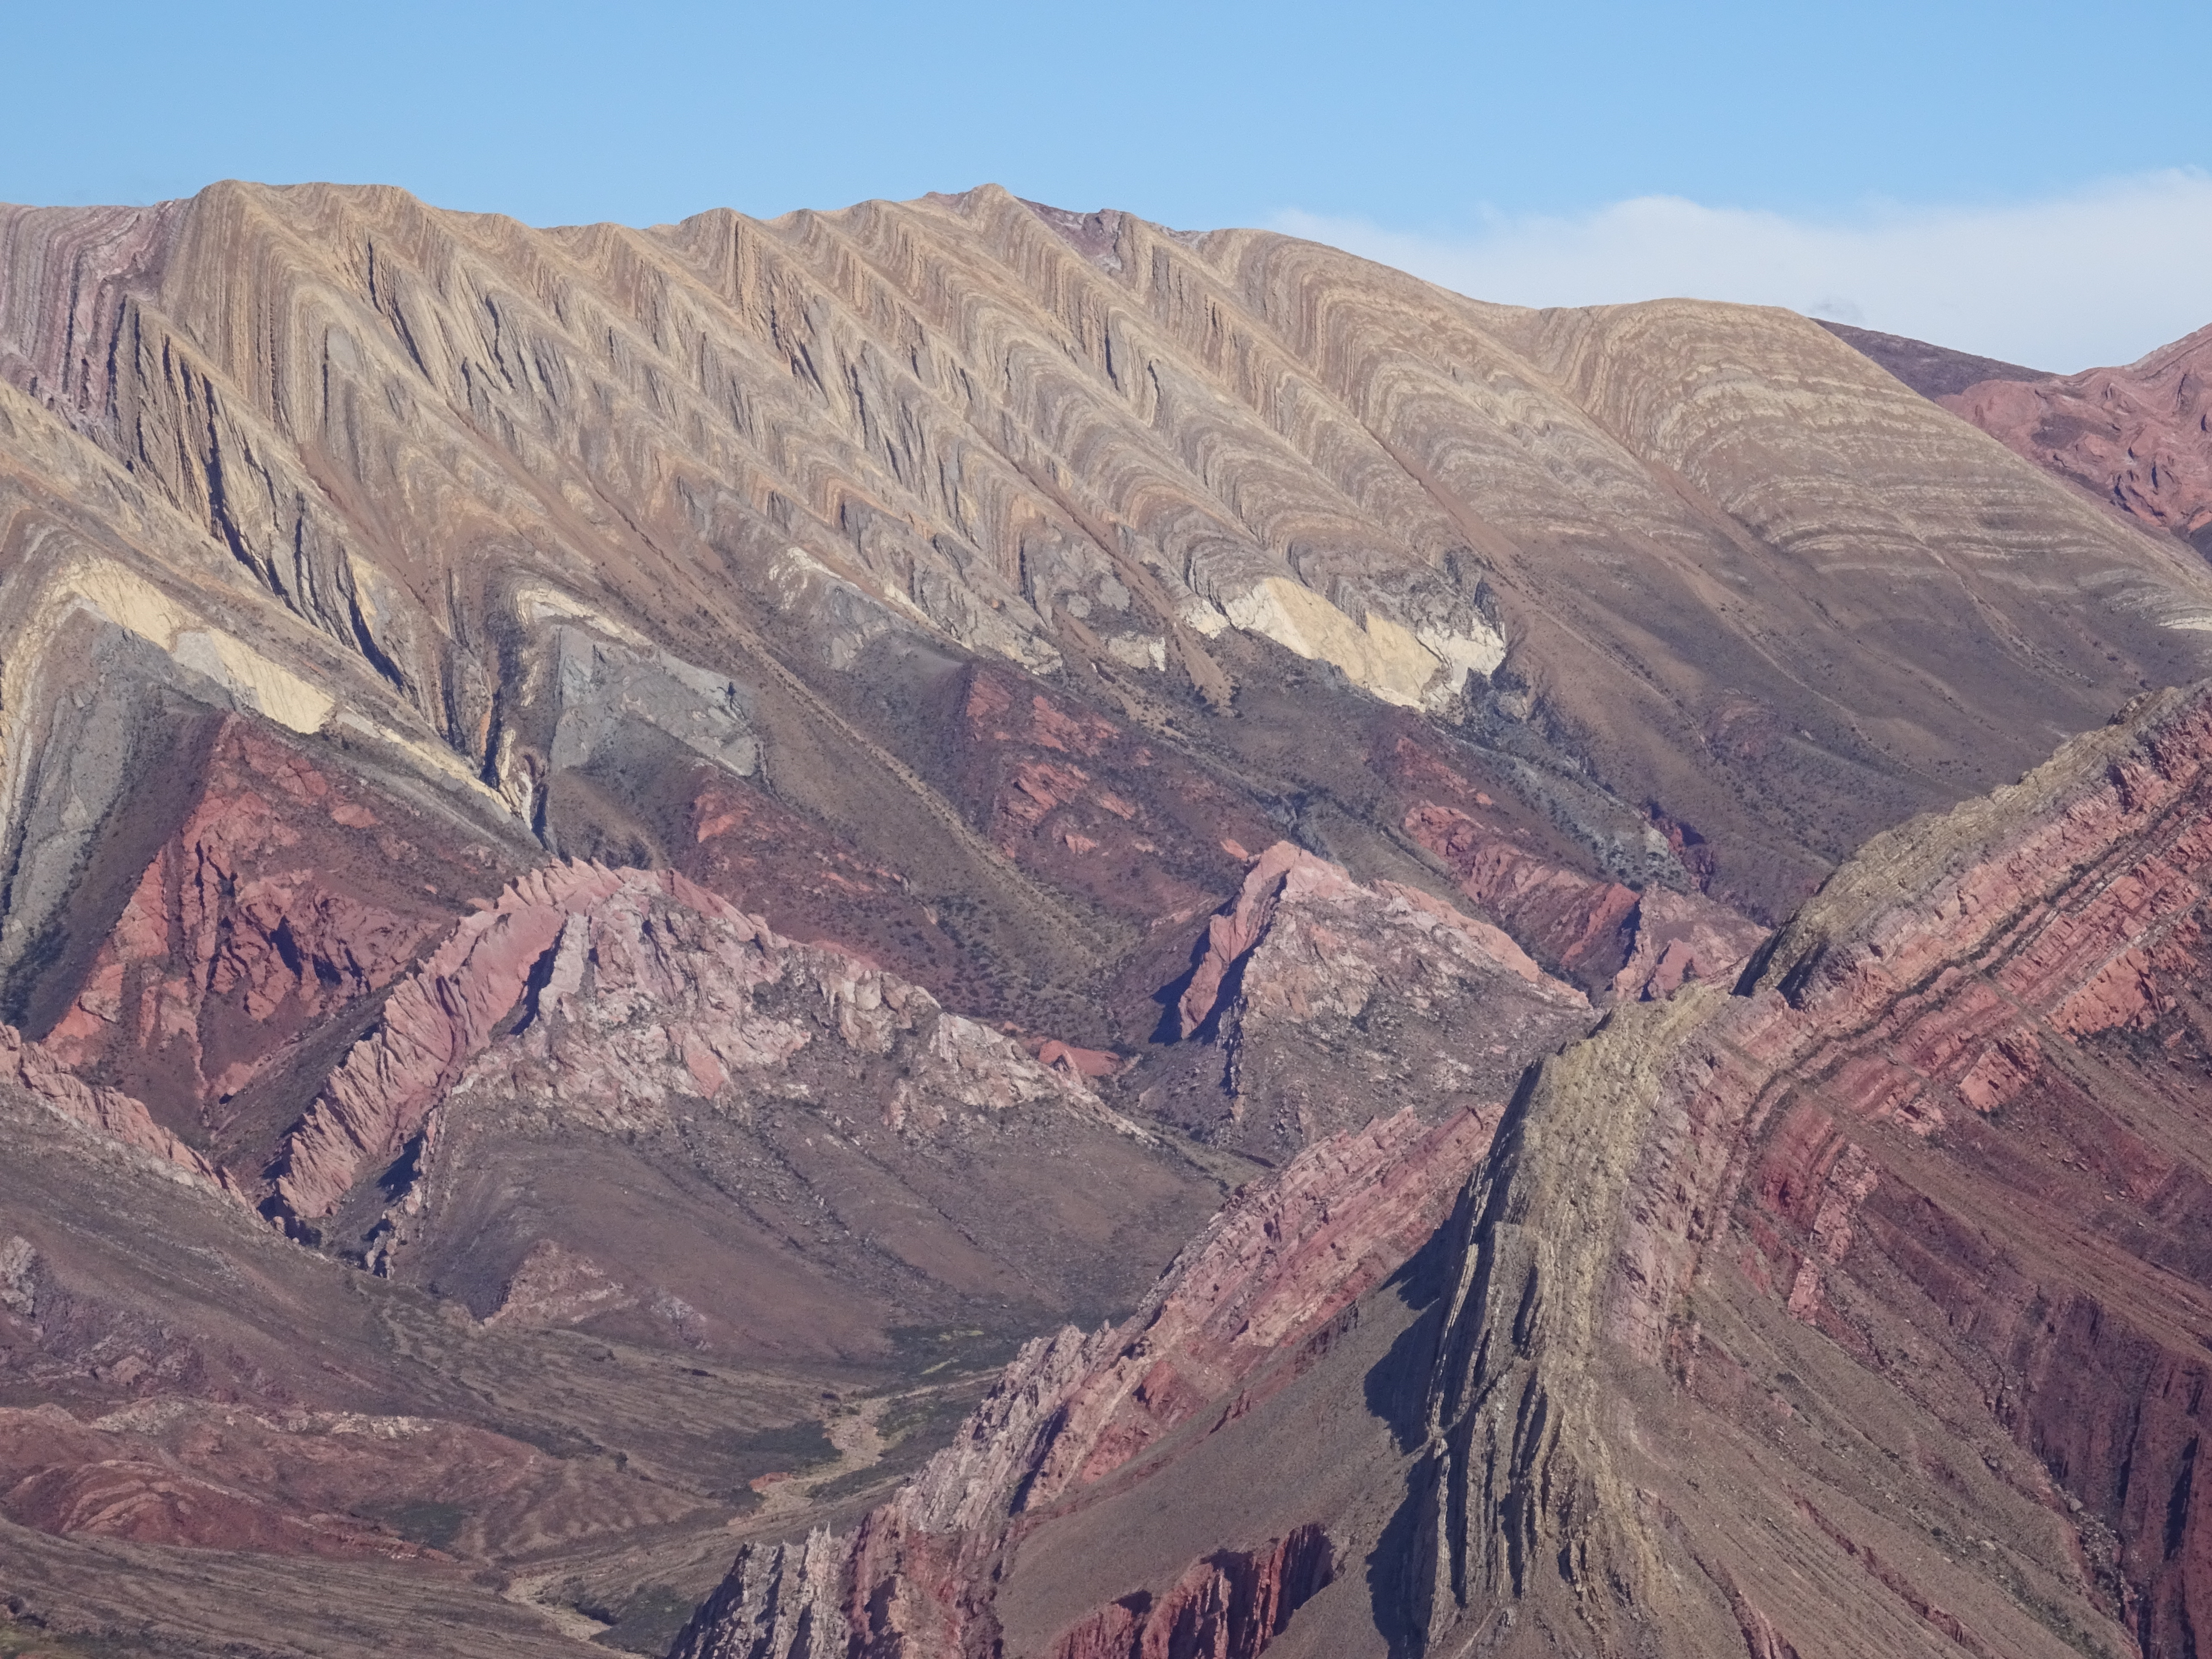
x,y
1888,162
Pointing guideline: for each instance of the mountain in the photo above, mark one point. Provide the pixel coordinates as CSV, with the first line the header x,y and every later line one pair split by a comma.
x,y
634,857
2136,437
1933,371
1856,1308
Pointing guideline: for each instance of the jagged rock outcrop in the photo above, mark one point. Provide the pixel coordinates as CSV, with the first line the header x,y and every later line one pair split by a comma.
x,y
290,891
1322,999
821,1121
657,948
1599,934
1242,1313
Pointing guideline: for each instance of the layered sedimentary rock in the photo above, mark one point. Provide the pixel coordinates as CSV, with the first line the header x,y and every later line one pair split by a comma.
x,y
1247,1308
291,892
1852,1307
872,1154
1950,1125
113,1115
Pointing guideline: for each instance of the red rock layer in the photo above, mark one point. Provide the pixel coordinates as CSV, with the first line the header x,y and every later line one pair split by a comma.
x,y
1599,934
288,891
1230,1606
1960,1129
2138,438
113,1115
1264,1281
1078,799
810,885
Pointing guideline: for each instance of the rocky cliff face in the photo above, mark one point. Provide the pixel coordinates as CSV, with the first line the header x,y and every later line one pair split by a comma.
x,y
1946,1125
288,894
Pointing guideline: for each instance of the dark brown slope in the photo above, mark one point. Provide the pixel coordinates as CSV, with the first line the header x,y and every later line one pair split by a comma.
x,y
1933,371
1860,1310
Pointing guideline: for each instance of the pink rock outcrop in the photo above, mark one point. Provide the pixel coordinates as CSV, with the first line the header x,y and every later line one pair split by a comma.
x,y
1599,934
115,1115
1327,1001
285,894
1265,1279
2133,437
636,990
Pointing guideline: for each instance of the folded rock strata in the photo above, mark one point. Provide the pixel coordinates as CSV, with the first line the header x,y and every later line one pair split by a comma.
x,y
1202,464
1950,1123
113,1115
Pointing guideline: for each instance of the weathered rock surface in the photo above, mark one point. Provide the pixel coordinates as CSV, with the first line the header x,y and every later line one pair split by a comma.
x,y
1254,1300
1233,1604
1320,1000
1850,1308
113,1115
192,1404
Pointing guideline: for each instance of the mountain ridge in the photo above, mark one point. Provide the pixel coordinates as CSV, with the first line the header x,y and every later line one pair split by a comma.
x,y
731,823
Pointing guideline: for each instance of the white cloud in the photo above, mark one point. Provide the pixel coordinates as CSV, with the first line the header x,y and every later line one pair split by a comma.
x,y
2100,276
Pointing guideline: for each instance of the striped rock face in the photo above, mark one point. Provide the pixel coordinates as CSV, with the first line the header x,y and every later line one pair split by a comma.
x,y
629,856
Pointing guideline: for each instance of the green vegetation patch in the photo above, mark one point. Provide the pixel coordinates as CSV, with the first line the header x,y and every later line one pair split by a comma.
x,y
422,1521
646,1623
790,1449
